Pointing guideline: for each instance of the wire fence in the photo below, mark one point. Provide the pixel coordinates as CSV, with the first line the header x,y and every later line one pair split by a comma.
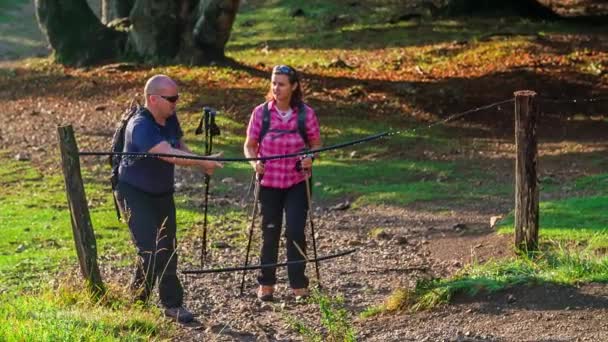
x,y
386,134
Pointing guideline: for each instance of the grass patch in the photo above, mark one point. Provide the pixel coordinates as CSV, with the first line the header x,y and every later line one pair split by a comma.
x,y
555,263
354,172
403,182
598,184
578,219
67,314
38,244
335,326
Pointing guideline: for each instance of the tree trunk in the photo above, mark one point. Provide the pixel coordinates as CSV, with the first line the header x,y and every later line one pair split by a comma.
x,y
115,9
155,34
213,27
190,31
76,35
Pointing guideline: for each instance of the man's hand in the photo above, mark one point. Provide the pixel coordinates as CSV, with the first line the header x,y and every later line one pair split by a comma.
x,y
209,166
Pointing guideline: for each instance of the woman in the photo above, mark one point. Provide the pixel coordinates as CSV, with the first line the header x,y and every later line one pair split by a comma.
x,y
283,125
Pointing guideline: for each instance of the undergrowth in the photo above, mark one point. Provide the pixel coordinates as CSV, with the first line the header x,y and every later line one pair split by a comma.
x,y
335,323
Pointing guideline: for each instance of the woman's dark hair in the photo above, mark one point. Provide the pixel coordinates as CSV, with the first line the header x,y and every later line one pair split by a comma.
x,y
292,74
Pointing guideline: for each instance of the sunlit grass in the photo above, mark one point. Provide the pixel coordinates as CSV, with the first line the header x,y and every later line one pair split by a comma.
x,y
555,263
336,323
66,313
574,219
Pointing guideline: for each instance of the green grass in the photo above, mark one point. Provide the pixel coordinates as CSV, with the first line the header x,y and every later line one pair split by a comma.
x,y
399,181
338,25
38,245
336,29
336,324
555,263
403,182
596,183
67,314
574,219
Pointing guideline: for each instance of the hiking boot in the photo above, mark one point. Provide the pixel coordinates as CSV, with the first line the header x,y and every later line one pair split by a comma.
x,y
180,314
265,293
301,294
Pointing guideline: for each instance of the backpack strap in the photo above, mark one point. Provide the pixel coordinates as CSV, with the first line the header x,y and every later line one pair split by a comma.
x,y
265,122
302,123
118,142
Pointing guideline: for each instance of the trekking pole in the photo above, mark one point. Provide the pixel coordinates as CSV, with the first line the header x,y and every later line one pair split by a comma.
x,y
211,129
249,188
254,210
312,228
206,200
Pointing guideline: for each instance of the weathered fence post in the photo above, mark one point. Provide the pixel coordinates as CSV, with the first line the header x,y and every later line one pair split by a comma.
x,y
526,184
84,237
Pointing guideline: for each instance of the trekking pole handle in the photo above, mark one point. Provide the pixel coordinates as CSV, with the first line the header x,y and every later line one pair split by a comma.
x,y
302,157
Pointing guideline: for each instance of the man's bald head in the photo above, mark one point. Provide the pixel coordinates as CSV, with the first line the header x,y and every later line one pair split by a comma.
x,y
159,84
161,96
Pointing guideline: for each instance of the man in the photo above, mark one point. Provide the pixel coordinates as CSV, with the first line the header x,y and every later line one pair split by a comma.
x,y
145,193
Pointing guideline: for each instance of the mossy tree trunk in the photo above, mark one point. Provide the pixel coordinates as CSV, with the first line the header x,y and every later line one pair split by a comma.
x,y
186,31
213,26
154,33
189,31
76,35
115,9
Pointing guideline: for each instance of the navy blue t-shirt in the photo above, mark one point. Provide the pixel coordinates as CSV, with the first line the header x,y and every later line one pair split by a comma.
x,y
151,175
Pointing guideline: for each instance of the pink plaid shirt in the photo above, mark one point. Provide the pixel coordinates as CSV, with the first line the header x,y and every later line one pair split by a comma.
x,y
281,173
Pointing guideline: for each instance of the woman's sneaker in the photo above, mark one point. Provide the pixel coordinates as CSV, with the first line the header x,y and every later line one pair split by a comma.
x,y
301,294
265,293
180,314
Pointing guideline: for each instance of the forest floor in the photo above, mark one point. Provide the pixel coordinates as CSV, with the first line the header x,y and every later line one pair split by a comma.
x,y
397,244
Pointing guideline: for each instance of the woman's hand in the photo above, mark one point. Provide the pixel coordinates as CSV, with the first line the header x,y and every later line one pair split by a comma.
x,y
259,167
307,163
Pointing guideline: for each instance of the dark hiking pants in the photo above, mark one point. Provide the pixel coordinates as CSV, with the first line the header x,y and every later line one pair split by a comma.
x,y
151,220
293,201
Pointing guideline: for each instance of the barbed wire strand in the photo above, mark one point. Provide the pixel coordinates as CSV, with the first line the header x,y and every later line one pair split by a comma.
x,y
296,154
453,117
554,100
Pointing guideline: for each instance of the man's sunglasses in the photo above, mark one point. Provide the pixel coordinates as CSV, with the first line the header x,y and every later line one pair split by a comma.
x,y
283,70
171,99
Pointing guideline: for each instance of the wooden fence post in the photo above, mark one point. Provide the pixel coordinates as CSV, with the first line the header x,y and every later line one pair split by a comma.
x,y
84,237
526,184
